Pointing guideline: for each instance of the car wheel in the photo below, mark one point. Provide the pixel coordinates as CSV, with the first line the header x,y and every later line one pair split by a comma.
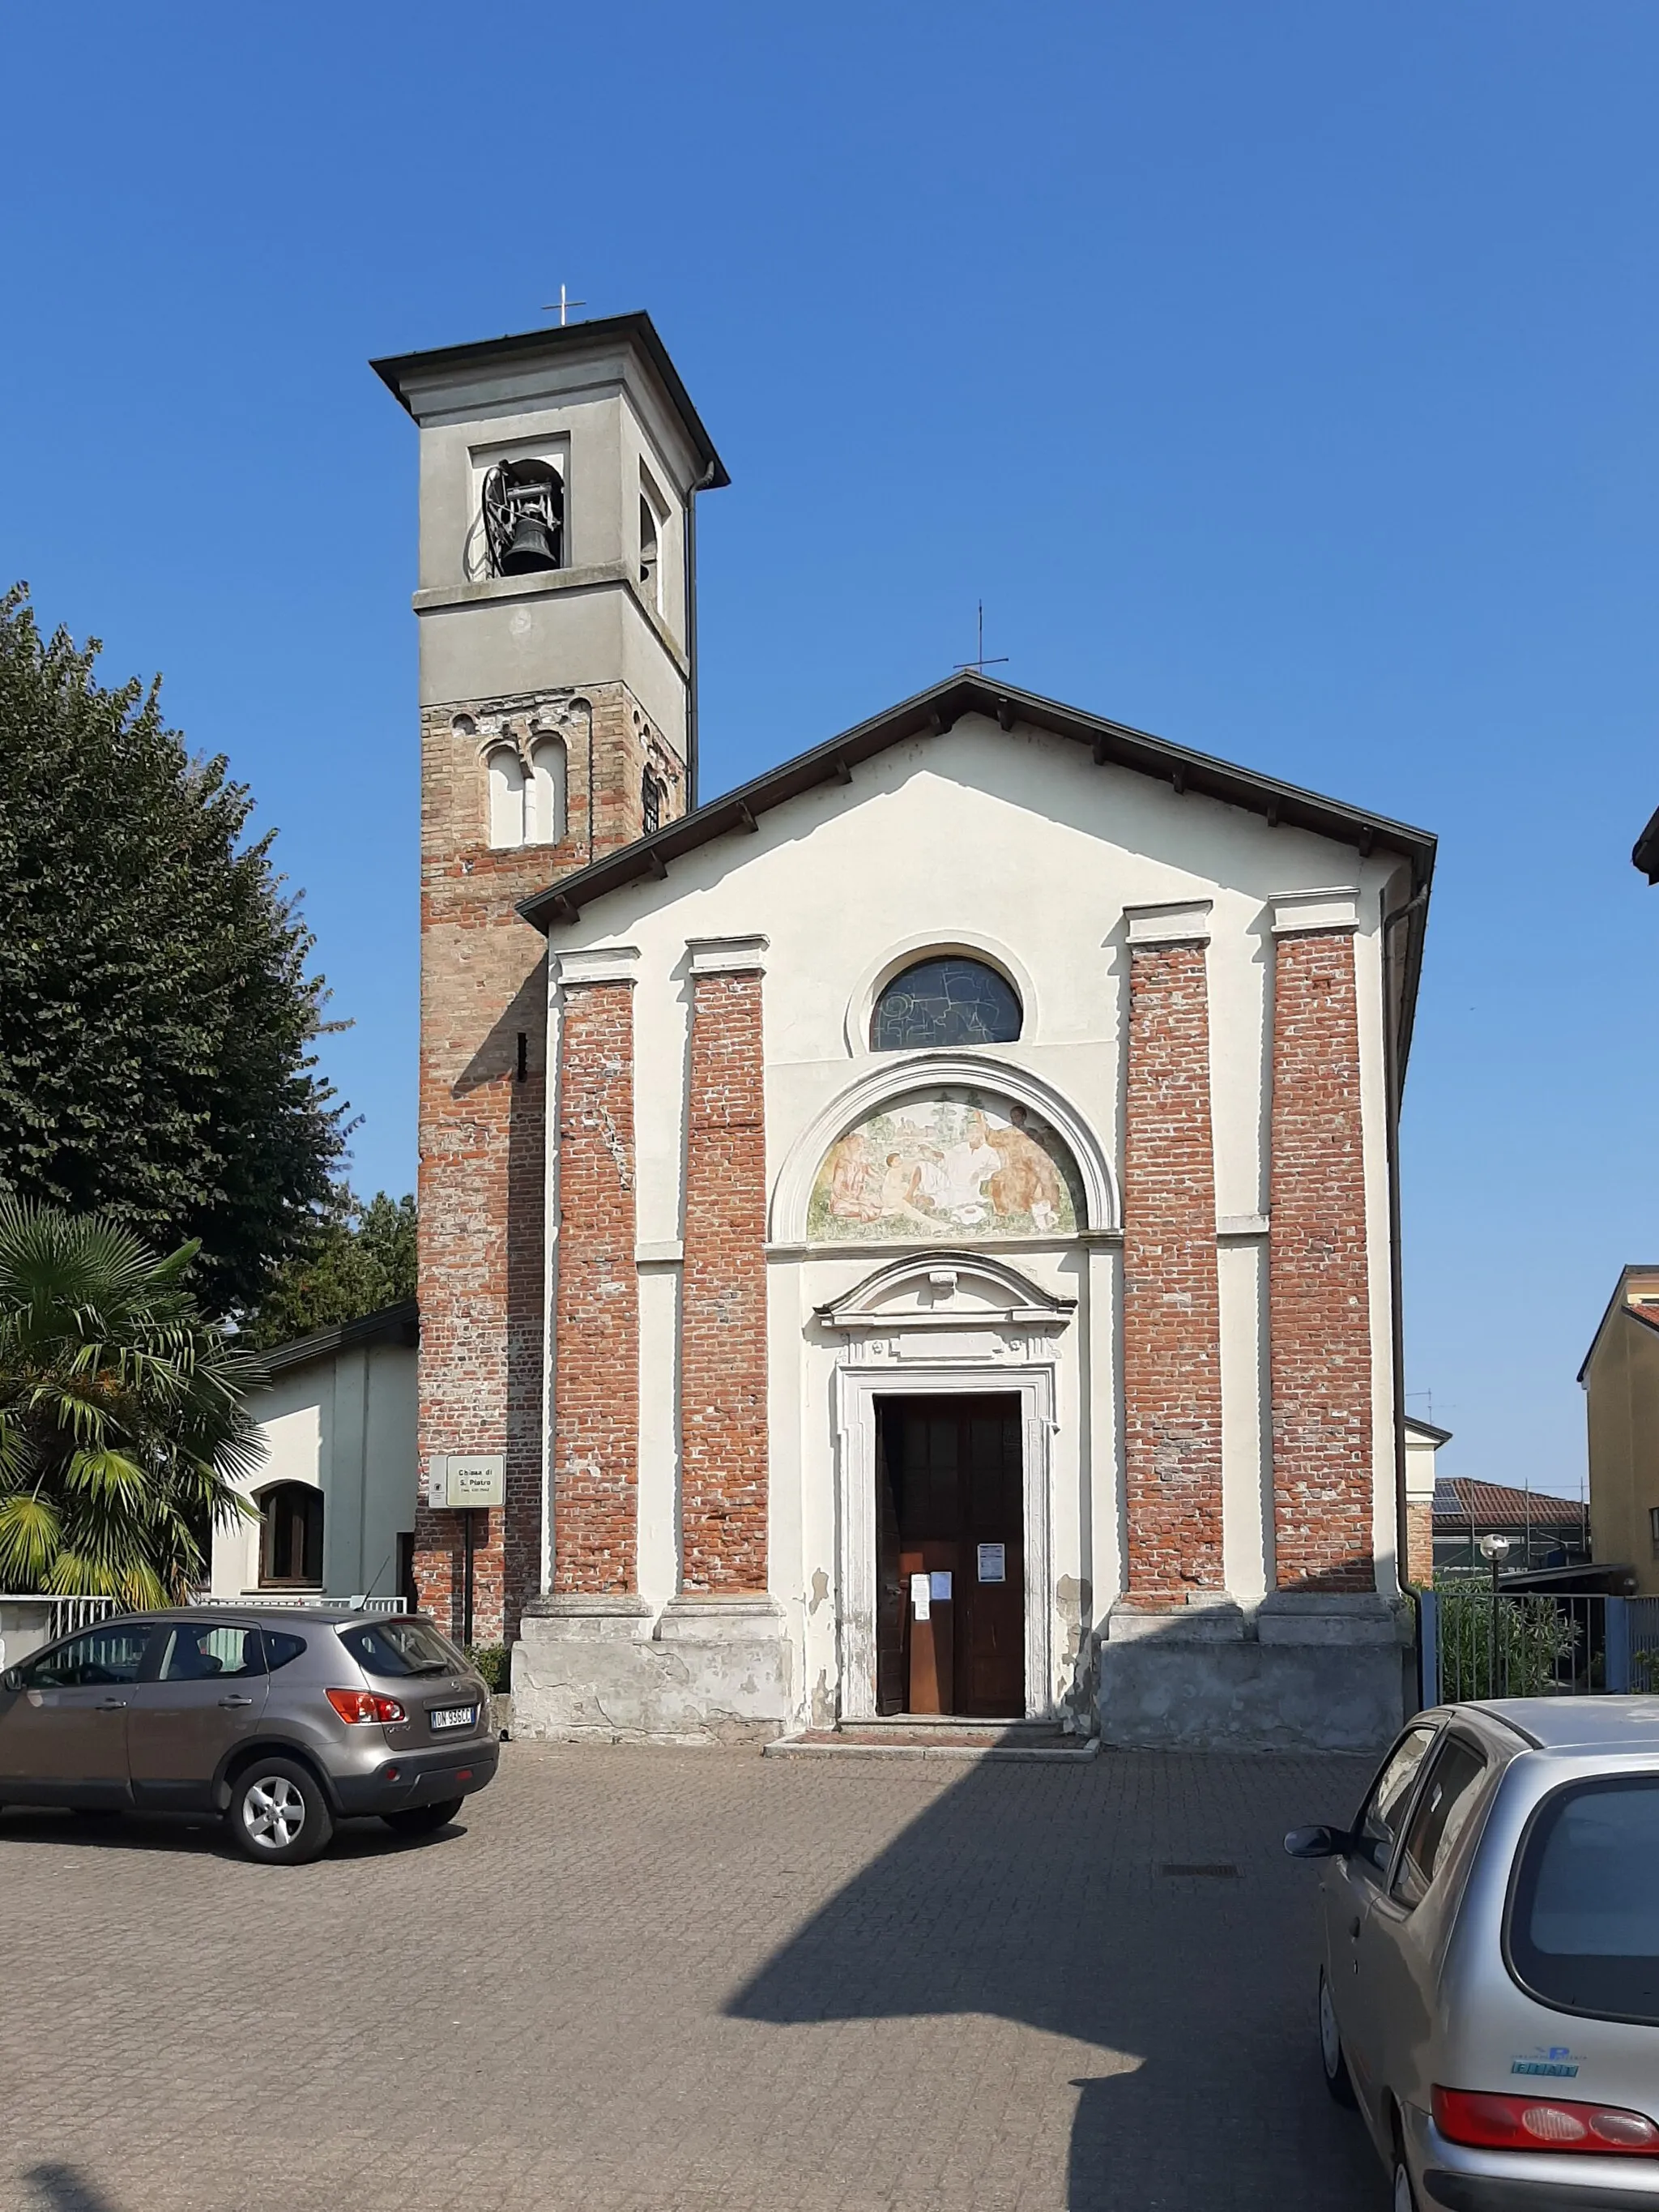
x,y
421,1820
1336,2066
1405,2196
278,1815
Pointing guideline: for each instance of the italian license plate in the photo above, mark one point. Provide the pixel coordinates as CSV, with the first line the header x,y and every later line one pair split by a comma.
x,y
453,1716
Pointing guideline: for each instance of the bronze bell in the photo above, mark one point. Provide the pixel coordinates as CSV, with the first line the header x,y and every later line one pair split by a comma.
x,y
530,549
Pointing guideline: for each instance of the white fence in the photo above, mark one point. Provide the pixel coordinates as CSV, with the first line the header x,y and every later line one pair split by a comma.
x,y
305,1601
31,1619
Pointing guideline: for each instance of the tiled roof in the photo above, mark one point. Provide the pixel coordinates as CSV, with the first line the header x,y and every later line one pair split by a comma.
x,y
1496,1505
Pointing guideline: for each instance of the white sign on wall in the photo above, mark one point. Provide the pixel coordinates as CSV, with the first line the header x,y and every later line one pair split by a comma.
x,y
460,1481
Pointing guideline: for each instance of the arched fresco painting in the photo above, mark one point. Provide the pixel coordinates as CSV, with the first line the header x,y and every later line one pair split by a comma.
x,y
957,1164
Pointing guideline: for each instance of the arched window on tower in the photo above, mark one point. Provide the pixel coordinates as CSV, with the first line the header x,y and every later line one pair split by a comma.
x,y
507,795
650,803
544,809
946,999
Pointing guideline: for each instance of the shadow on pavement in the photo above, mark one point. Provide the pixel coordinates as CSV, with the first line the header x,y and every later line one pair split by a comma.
x,y
1143,1905
62,2189
175,1832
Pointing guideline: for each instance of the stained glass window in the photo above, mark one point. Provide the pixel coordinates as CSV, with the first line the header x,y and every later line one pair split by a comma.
x,y
944,1001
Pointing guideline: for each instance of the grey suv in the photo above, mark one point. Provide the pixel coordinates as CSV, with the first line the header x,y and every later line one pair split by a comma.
x,y
282,1722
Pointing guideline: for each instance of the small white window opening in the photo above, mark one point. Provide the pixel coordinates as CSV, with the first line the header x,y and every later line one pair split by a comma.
x,y
544,823
506,797
650,553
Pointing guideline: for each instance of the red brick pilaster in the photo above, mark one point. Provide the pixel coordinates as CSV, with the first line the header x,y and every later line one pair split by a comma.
x,y
1319,1291
1172,1307
1420,1544
723,1432
596,1365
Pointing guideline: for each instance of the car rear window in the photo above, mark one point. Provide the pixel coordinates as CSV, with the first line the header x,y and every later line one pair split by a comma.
x,y
280,1649
400,1645
203,1652
1584,1912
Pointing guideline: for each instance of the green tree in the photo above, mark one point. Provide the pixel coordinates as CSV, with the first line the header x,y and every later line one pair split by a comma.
x,y
122,1423
361,1259
157,1023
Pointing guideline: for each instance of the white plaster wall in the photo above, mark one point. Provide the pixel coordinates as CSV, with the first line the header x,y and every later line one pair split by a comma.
x,y
1420,1452
345,1423
1019,843
1373,1104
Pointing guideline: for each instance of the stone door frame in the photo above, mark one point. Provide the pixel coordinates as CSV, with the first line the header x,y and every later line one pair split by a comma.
x,y
858,1385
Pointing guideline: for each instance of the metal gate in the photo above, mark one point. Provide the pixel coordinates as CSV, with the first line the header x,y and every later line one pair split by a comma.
x,y
1473,1642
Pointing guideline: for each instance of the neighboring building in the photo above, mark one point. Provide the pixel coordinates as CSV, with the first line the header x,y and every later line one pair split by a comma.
x,y
335,1496
956,1273
1544,1530
1620,1379
1423,1441
1645,854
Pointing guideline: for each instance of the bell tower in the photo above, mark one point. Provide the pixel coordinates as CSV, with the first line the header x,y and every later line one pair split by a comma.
x,y
556,608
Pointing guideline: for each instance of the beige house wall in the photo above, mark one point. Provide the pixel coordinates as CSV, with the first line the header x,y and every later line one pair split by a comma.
x,y
1621,1396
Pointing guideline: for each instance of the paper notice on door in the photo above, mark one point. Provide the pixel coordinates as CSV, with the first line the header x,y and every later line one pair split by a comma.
x,y
992,1563
921,1591
939,1583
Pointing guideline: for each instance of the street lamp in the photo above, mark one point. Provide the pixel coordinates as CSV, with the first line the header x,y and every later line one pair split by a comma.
x,y
1495,1548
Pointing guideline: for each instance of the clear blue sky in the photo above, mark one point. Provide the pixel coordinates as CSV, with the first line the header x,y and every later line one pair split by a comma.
x,y
1283,377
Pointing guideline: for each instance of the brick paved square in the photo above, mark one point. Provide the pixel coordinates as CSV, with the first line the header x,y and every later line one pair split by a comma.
x,y
646,1979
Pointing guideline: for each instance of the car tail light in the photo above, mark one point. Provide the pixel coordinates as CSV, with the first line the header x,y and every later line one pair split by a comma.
x,y
365,1705
1489,2123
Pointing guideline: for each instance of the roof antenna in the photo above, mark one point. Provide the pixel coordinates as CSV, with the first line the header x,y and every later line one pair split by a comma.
x,y
979,663
359,1603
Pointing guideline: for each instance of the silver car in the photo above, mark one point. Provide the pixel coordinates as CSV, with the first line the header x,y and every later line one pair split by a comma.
x,y
281,1721
1489,1989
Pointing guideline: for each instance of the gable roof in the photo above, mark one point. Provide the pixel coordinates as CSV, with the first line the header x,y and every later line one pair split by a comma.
x,y
1421,1428
1458,1498
399,1324
931,712
1645,1316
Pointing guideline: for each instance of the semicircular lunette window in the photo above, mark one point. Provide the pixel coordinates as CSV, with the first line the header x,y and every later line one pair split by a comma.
x,y
945,1001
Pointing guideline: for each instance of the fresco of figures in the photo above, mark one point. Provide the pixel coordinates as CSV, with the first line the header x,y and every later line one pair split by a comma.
x,y
959,1165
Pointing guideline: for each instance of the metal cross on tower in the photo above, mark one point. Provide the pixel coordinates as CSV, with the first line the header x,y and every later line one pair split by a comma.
x,y
562,307
979,661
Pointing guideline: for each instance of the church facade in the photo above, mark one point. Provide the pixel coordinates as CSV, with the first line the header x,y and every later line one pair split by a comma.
x,y
917,1235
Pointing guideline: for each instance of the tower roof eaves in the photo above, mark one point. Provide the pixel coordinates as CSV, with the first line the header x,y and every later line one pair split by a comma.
x,y
398,371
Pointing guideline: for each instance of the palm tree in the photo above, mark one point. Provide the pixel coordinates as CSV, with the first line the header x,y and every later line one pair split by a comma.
x,y
123,1430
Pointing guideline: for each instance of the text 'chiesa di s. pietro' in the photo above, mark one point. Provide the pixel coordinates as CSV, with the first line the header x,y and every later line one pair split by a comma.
x,y
920,1230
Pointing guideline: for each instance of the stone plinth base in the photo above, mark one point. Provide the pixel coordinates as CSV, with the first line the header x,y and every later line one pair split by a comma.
x,y
1296,1673
709,1670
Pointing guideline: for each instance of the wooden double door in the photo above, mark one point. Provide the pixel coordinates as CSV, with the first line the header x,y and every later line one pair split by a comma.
x,y
950,1557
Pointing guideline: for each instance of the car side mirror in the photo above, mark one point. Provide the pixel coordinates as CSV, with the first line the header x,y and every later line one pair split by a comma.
x,y
12,1679
1318,1843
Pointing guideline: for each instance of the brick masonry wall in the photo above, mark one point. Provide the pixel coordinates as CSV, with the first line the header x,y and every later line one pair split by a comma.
x,y
1319,1291
1172,1307
596,1398
483,1108
1420,1545
723,1433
